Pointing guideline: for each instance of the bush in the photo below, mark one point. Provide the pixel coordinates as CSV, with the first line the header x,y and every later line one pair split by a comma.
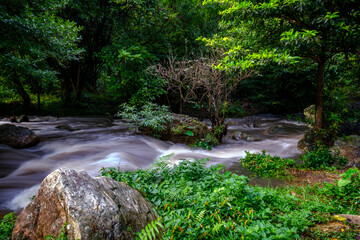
x,y
6,226
150,119
266,165
322,158
207,203
346,193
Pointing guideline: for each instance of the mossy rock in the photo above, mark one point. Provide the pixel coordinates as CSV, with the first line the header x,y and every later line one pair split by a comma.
x,y
306,144
309,113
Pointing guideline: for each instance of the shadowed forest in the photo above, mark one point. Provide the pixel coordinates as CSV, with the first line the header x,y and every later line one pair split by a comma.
x,y
208,76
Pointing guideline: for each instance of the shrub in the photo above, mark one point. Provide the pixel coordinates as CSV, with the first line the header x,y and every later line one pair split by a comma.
x,y
150,119
346,193
266,165
322,158
207,203
6,226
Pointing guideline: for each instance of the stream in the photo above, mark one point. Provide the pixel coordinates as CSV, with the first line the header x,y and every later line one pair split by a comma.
x,y
97,143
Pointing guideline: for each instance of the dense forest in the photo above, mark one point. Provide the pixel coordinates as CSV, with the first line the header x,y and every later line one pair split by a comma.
x,y
211,59
277,57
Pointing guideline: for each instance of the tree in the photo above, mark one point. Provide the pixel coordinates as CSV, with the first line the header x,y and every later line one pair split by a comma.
x,y
199,82
32,40
141,34
258,31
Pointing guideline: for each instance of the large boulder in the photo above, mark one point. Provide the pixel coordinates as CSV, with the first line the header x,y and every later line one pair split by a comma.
x,y
92,208
349,147
17,137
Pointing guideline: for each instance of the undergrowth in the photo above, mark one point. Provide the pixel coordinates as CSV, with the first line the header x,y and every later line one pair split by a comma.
x,y
265,165
196,202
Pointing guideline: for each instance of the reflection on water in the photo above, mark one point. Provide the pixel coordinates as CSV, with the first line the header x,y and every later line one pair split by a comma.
x,y
97,143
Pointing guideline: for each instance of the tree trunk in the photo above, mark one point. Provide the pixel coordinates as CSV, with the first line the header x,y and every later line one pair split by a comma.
x,y
22,93
319,115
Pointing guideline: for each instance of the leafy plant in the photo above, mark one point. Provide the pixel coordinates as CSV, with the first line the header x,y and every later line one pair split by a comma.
x,y
150,119
265,165
6,226
201,144
151,230
196,202
348,187
322,158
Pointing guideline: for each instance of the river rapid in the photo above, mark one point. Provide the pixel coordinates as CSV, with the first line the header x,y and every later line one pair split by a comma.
x,y
97,143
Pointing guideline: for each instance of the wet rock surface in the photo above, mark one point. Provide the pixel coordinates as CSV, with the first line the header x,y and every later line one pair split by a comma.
x,y
275,130
238,135
18,119
93,208
17,137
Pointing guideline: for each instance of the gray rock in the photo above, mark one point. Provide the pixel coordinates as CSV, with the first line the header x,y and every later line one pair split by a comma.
x,y
22,118
306,144
354,219
275,130
17,137
238,135
349,147
94,208
19,119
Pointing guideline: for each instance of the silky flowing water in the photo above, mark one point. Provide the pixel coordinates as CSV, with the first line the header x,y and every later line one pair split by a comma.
x,y
97,143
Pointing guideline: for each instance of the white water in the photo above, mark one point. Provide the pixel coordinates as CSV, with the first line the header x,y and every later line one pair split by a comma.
x,y
98,144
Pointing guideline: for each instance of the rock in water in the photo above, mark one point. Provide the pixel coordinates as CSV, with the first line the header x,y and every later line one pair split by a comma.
x,y
238,135
17,137
22,118
93,208
277,129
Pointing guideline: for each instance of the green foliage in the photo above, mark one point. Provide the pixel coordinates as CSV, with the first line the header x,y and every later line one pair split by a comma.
x,y
322,158
201,144
35,41
150,119
6,226
126,76
150,231
265,165
201,203
348,189
209,141
345,194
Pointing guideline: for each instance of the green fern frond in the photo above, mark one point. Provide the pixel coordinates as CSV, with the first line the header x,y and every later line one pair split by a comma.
x,y
200,216
151,230
162,163
216,228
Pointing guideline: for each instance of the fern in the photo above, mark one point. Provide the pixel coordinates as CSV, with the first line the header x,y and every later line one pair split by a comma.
x,y
162,163
151,230
216,228
200,216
